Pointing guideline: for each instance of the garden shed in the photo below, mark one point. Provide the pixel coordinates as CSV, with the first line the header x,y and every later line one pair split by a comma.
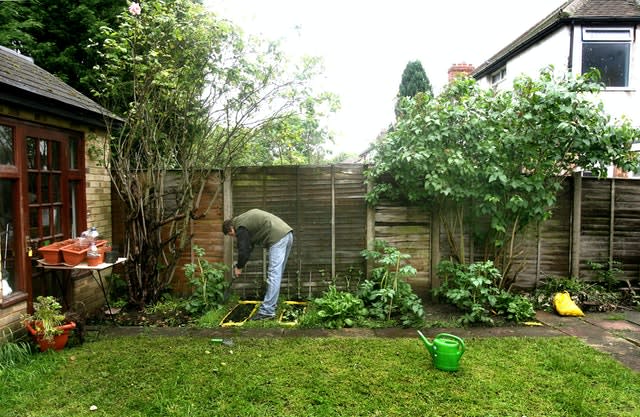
x,y
53,183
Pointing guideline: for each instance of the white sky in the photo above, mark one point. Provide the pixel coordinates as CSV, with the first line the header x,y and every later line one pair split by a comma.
x,y
365,45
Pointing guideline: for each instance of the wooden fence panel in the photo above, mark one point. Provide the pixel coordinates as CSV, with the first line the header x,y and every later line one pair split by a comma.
x,y
546,246
626,227
409,230
325,206
595,227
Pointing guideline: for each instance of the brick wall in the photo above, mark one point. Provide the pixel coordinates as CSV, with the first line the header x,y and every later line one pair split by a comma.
x,y
10,320
98,188
87,295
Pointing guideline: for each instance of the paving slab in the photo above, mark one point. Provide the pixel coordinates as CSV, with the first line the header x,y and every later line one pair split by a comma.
x,y
601,333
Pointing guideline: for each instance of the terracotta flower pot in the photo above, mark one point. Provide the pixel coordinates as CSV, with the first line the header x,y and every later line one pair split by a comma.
x,y
59,341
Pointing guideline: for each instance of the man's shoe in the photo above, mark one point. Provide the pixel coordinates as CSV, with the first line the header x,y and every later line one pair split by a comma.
x,y
261,316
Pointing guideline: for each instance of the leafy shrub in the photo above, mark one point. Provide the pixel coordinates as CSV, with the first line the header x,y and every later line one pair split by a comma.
x,y
607,274
207,282
334,310
386,295
474,290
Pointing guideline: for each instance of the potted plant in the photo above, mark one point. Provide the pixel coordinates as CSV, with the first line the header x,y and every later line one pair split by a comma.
x,y
48,325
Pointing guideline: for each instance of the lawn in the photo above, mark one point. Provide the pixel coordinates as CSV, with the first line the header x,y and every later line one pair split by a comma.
x,y
179,376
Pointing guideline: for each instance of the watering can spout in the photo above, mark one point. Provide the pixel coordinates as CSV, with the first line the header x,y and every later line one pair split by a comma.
x,y
426,342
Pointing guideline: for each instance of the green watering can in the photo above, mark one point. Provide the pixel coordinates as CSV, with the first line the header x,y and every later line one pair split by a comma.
x,y
446,350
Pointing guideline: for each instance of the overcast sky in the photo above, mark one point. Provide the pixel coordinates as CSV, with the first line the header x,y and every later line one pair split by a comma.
x,y
365,45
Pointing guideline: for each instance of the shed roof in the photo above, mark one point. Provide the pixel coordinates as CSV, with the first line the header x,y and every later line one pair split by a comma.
x,y
23,83
572,11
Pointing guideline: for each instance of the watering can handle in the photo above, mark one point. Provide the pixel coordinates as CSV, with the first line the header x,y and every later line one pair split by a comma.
x,y
456,338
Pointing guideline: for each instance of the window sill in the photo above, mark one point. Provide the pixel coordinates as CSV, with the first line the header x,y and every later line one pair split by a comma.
x,y
15,298
619,89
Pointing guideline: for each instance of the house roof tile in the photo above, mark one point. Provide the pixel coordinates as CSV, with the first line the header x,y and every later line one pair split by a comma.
x,y
576,11
20,76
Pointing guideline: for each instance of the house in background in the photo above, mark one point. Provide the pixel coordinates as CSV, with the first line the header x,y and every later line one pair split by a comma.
x,y
579,35
50,187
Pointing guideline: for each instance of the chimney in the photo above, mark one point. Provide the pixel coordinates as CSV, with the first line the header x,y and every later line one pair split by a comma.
x,y
457,70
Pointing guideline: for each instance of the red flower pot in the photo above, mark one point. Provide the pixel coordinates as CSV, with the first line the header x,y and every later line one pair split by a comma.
x,y
59,341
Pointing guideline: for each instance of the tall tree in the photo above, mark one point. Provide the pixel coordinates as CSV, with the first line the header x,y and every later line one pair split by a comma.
x,y
57,35
192,94
474,154
297,139
414,80
16,25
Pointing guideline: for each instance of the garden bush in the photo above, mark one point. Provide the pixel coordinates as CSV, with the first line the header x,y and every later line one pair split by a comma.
x,y
474,290
385,297
207,282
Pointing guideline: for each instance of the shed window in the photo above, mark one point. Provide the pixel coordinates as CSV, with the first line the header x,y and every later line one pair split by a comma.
x,y
6,145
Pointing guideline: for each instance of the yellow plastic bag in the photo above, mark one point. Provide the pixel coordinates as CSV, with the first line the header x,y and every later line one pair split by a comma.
x,y
565,306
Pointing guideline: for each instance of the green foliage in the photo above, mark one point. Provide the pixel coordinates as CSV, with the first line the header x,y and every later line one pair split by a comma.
x,y
296,139
57,35
497,156
414,81
607,274
473,289
13,352
207,282
334,310
386,294
383,298
47,316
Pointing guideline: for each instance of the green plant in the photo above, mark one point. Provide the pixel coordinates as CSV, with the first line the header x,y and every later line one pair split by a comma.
x,y
13,352
334,310
208,283
607,273
514,307
386,294
47,317
474,290
292,312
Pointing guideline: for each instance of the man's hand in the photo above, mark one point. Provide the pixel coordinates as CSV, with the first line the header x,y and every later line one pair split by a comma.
x,y
237,271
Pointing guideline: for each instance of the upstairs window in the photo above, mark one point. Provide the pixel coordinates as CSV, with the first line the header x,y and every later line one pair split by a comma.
x,y
608,50
498,76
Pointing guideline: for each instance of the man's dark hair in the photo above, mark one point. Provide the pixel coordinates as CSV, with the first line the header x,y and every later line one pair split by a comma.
x,y
227,225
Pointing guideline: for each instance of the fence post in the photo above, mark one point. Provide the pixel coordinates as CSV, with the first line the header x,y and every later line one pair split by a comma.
x,y
576,224
370,233
435,247
333,220
612,219
227,213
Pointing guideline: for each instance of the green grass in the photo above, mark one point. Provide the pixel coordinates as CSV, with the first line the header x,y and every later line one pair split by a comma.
x,y
162,376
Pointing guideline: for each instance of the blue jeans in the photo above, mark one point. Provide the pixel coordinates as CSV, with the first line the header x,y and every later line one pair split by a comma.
x,y
278,256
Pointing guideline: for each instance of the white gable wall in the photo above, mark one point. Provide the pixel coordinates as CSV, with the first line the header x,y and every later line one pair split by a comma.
x,y
555,50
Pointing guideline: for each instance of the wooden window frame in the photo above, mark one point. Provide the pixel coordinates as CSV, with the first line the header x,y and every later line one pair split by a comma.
x,y
19,172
